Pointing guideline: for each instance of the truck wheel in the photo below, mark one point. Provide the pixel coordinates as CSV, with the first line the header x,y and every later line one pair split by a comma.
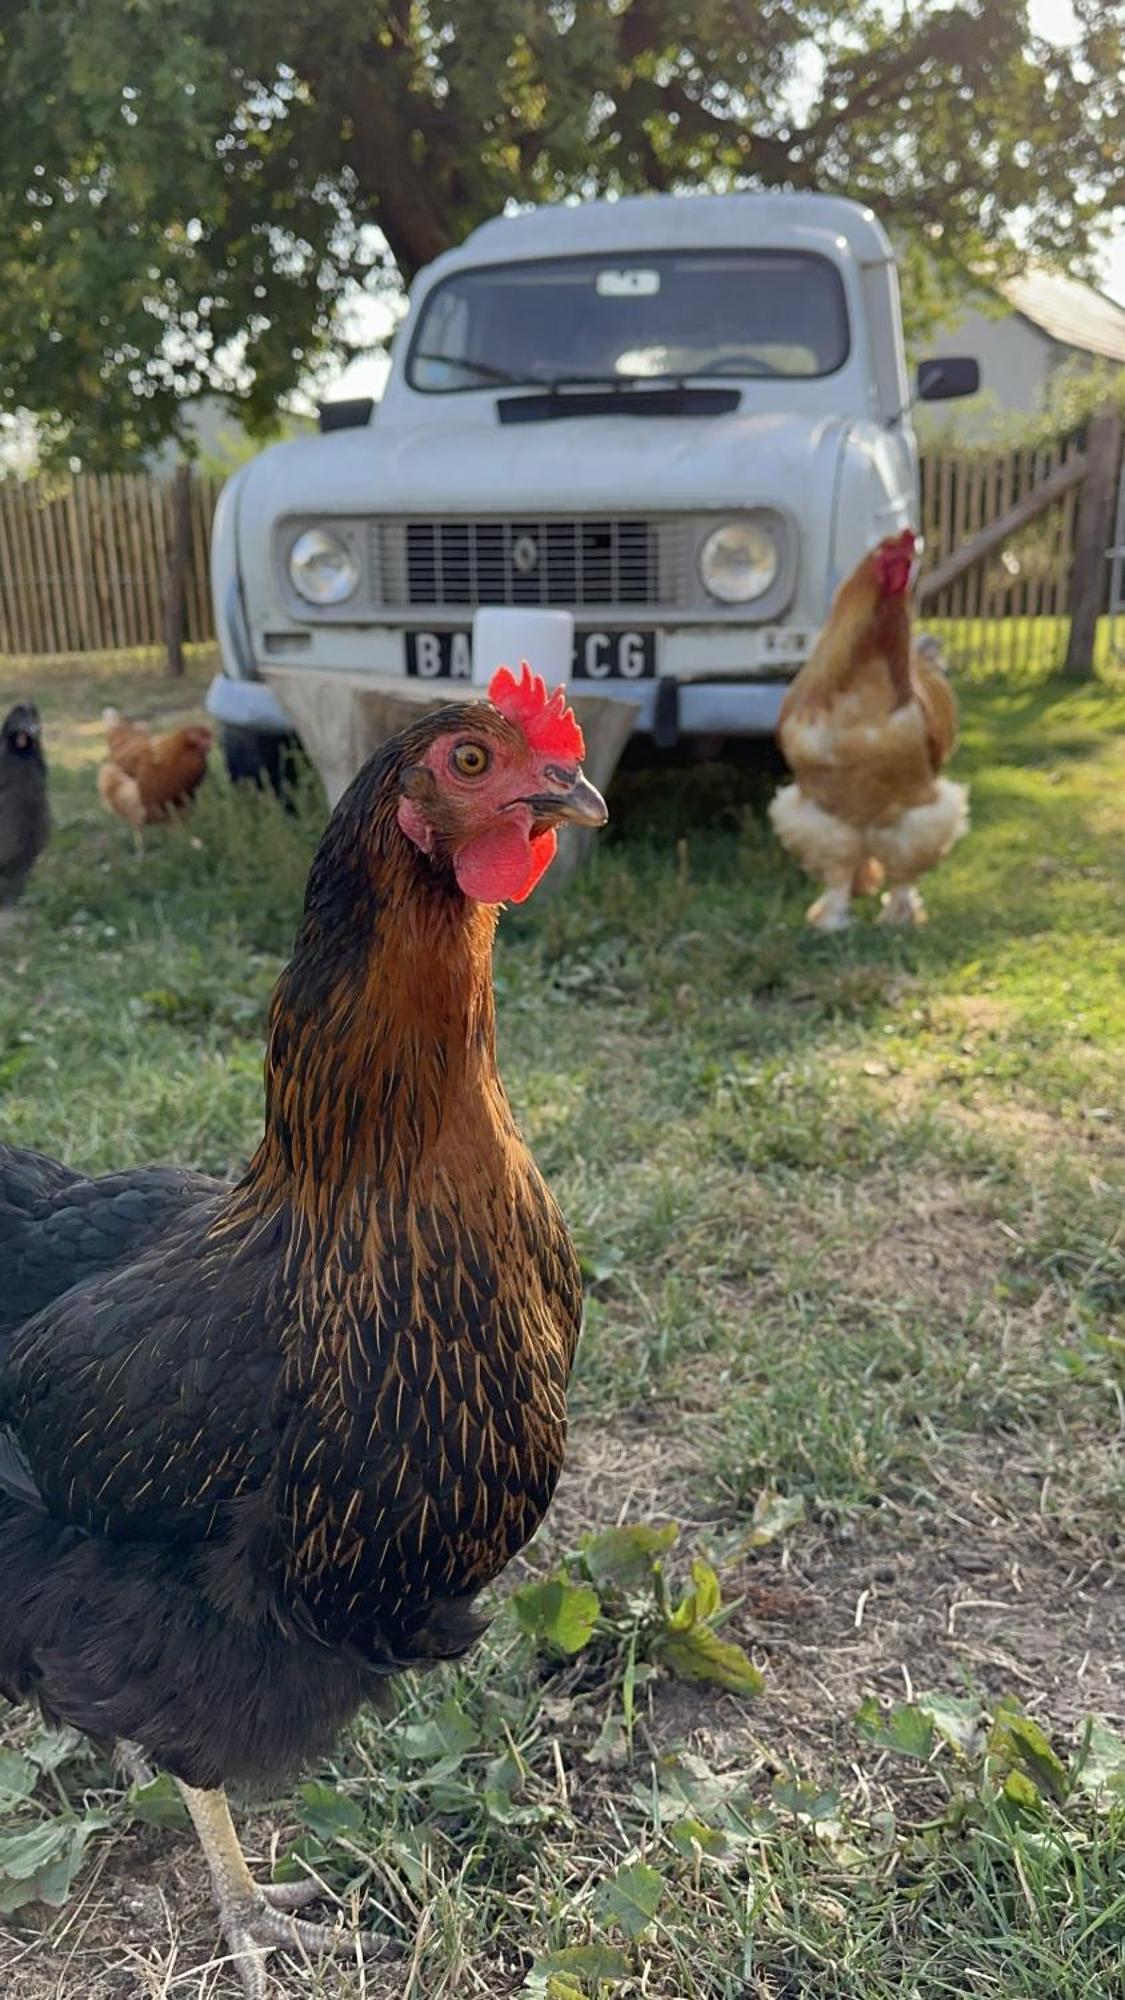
x,y
258,757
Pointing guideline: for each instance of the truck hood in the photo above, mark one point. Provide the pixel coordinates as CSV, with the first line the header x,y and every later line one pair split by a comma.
x,y
573,465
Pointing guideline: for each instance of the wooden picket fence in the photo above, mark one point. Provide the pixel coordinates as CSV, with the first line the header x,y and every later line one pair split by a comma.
x,y
962,492
104,563
84,565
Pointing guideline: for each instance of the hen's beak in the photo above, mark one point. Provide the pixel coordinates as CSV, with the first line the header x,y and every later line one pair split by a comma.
x,y
582,805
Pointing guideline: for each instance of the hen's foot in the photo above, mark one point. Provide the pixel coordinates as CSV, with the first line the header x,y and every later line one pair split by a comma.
x,y
831,912
903,906
254,1927
290,1895
253,1918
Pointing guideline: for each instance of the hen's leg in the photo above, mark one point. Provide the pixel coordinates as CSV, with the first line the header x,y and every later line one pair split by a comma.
x,y
254,1918
903,905
133,1762
916,841
825,847
833,910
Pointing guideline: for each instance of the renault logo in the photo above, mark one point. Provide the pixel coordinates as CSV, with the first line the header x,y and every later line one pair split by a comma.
x,y
525,555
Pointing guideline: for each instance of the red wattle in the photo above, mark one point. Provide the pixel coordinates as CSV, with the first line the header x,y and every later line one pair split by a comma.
x,y
503,864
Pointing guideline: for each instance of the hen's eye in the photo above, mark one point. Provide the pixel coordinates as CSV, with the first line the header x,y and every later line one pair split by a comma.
x,y
470,759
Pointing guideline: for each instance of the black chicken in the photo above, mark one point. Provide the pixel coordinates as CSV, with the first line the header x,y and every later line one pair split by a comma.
x,y
25,816
262,1446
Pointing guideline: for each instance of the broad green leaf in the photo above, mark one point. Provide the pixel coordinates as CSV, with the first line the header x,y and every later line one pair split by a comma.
x,y
907,1729
611,1745
958,1719
51,1747
329,1812
503,1779
806,1801
631,1898
39,1866
700,1655
159,1804
688,1835
52,1885
584,1965
1018,1743
18,1777
721,1798
1102,1770
563,1614
708,1596
448,1734
774,1514
23,1854
624,1556
1022,1791
453,1799
701,1602
597,1265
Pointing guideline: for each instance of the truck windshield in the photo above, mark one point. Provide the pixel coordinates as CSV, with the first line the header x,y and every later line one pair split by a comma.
x,y
639,317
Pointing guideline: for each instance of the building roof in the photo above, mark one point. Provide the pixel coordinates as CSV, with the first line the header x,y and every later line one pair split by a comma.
x,y
1072,313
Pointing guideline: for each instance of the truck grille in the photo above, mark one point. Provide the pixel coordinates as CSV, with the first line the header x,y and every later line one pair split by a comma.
x,y
549,562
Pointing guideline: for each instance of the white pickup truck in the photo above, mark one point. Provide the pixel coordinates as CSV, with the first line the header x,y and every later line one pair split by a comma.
x,y
680,418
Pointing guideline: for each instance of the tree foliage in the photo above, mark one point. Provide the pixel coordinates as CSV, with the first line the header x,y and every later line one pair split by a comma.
x,y
190,188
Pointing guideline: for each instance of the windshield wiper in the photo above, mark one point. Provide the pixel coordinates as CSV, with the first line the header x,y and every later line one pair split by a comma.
x,y
482,368
615,382
672,378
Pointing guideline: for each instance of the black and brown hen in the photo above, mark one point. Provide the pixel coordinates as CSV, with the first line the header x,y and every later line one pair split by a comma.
x,y
264,1445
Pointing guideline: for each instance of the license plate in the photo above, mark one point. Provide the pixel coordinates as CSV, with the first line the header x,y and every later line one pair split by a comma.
x,y
616,654
439,656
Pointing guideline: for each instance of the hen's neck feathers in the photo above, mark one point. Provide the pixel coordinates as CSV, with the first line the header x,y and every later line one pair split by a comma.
x,y
862,627
380,1064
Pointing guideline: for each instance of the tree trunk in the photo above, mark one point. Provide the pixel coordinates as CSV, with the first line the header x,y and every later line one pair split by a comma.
x,y
1092,539
176,577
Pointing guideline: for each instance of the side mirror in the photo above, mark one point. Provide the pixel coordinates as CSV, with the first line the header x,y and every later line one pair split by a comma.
x,y
350,413
946,376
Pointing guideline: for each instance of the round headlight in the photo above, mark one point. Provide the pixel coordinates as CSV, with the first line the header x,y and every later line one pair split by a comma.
x,y
739,562
322,567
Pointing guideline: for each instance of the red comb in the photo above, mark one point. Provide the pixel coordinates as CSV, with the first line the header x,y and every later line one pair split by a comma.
x,y
893,561
549,726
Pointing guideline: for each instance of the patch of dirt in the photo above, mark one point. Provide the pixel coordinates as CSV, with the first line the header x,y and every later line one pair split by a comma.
x,y
931,1240
983,1593
143,1927
1013,1118
639,1468
983,1587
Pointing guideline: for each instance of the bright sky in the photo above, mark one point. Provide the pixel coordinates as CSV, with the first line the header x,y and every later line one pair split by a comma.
x,y
1052,18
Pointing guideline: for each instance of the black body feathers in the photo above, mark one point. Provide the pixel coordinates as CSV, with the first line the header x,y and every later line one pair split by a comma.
x,y
261,1446
25,817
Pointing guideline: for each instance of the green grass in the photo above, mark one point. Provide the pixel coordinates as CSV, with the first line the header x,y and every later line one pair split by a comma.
x,y
850,1213
1021,649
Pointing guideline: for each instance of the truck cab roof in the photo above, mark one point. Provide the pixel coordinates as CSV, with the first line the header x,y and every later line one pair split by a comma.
x,y
667,221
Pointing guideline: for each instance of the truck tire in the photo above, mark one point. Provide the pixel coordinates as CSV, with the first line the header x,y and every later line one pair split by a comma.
x,y
258,757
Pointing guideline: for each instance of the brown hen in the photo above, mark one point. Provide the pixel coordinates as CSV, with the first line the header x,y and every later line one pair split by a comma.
x,y
147,778
866,728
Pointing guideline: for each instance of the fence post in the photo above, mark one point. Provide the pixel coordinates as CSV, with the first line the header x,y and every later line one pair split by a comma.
x,y
176,579
1091,541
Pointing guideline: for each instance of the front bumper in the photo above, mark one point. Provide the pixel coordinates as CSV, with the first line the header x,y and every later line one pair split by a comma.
x,y
699,708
